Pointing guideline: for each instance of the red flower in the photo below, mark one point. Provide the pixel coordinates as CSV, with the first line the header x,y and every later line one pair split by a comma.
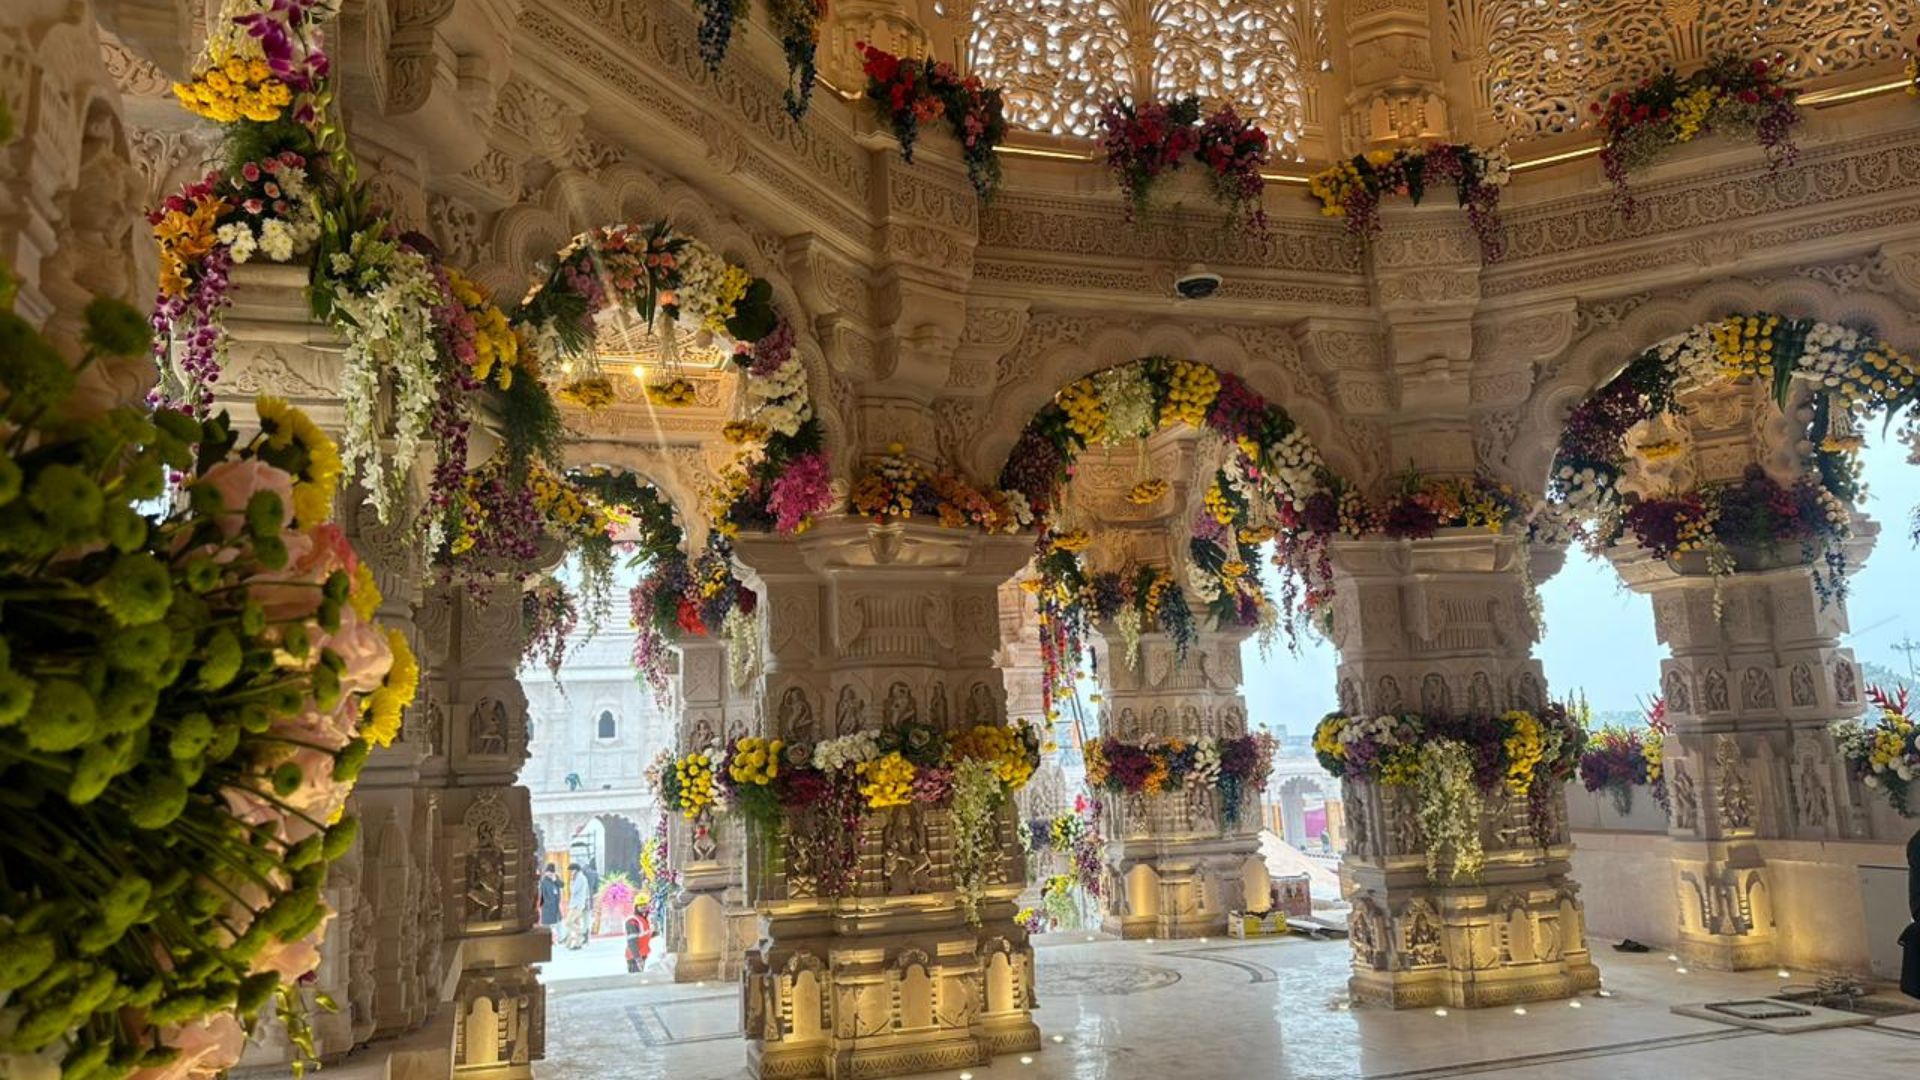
x,y
687,614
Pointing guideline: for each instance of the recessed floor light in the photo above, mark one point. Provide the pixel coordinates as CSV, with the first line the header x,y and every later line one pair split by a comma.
x,y
966,1076
1025,1059
1604,993
1439,1012
1059,1038
1519,1010
1672,959
1203,941
1783,973
1573,1004
1679,971
1149,941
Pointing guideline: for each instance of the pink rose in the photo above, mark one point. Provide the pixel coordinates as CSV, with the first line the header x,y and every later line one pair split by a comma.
x,y
292,959
363,646
237,482
207,1048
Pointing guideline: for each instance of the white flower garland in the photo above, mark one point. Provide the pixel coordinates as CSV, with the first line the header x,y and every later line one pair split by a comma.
x,y
976,799
383,297
1449,808
832,755
1128,397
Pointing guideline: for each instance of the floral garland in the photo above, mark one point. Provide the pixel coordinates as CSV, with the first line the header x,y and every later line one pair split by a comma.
x,y
418,334
659,881
1353,189
1639,123
1235,766
191,678
911,92
778,479
1269,475
1852,376
1146,142
1883,754
1620,759
780,785
896,486
1454,764
796,23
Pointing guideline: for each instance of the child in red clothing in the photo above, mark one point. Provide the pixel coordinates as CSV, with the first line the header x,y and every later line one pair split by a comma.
x,y
639,936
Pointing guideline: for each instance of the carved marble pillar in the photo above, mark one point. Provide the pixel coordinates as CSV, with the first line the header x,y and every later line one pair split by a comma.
x,y
868,626
1025,674
1442,626
1394,83
712,925
1754,676
486,851
1177,864
383,959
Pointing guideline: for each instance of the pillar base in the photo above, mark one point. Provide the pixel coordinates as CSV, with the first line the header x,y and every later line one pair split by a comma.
x,y
1467,989
1159,927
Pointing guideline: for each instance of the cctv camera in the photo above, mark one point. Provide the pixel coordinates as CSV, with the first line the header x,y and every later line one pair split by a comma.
x,y
1197,283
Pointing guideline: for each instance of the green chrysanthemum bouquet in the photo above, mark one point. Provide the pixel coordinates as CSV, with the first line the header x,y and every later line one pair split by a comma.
x,y
191,677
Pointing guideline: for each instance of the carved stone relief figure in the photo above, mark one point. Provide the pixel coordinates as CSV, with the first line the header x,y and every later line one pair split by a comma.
x,y
1714,696
899,707
1846,685
937,705
1812,804
487,729
1349,697
1675,687
909,864
1686,804
1736,794
1388,695
851,713
486,874
1480,694
796,715
1533,696
1424,948
1800,686
980,708
1756,689
1435,698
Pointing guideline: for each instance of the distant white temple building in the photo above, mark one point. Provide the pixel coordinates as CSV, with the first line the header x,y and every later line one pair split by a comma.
x,y
593,731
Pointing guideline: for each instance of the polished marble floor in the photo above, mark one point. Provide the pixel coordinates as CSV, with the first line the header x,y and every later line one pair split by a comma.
x,y
1137,1011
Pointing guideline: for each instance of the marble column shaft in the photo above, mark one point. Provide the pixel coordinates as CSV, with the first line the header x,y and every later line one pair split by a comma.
x,y
867,627
1440,627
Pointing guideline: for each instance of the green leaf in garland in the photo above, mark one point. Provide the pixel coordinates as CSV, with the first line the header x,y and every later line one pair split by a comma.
x,y
753,317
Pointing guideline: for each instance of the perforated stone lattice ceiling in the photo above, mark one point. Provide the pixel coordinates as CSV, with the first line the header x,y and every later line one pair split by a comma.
x,y
1061,60
1538,64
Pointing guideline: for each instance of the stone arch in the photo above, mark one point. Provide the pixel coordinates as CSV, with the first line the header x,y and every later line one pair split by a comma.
x,y
527,235
1286,384
1593,360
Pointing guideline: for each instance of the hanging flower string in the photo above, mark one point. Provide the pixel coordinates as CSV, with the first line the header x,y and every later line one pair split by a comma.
x,y
1353,189
1148,141
1851,377
1731,94
783,785
1235,768
911,92
795,24
1459,767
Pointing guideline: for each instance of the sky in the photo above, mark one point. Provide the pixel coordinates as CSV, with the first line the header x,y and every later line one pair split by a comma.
x,y
1599,638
